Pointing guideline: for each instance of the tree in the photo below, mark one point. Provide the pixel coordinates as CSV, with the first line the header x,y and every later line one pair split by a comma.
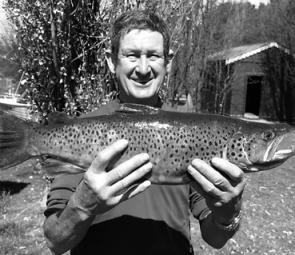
x,y
279,66
61,47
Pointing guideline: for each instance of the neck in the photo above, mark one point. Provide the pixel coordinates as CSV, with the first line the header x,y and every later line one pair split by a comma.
x,y
152,101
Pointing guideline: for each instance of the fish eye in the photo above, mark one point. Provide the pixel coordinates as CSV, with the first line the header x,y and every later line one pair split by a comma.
x,y
268,135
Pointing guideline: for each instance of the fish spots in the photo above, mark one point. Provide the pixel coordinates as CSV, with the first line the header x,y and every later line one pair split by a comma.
x,y
236,150
171,143
207,142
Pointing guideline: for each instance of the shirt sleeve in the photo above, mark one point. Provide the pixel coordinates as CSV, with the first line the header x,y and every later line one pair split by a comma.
x,y
198,205
60,192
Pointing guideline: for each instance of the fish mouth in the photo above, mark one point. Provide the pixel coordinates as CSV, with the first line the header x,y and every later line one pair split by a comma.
x,y
284,154
272,153
273,157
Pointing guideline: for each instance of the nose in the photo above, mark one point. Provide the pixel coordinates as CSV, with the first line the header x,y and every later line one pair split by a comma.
x,y
143,66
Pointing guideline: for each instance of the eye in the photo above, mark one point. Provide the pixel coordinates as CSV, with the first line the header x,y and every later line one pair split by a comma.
x,y
268,135
132,57
154,57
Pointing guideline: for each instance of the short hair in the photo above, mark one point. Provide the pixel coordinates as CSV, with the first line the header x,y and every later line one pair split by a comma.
x,y
138,19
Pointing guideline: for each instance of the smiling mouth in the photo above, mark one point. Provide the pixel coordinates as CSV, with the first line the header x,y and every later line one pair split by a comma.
x,y
143,82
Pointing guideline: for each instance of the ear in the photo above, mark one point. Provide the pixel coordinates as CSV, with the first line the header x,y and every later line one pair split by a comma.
x,y
110,61
169,63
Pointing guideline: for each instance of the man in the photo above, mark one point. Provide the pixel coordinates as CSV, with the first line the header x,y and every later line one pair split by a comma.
x,y
99,213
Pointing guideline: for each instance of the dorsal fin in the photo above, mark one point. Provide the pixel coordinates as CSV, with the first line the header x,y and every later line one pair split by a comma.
x,y
137,108
58,118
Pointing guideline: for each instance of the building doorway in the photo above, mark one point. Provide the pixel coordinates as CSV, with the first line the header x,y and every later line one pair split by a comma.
x,y
253,97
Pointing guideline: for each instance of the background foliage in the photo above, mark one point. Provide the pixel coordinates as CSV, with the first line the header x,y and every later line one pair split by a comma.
x,y
60,45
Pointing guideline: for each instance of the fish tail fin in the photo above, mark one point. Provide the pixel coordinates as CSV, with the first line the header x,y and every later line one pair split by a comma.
x,y
12,141
54,167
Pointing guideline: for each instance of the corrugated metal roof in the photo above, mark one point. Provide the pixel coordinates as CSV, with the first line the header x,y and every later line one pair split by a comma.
x,y
238,53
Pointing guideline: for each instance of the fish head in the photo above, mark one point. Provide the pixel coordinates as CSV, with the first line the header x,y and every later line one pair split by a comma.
x,y
265,148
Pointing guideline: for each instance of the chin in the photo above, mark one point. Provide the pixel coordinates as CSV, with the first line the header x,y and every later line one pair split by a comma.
x,y
145,97
144,94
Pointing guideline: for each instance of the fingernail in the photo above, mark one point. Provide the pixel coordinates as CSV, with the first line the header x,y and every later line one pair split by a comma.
x,y
123,141
216,161
190,169
145,156
146,184
197,162
149,165
143,186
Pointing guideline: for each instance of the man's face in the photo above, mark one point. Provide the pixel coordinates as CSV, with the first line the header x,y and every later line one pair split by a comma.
x,y
140,66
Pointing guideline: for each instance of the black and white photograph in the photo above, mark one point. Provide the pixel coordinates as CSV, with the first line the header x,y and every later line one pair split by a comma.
x,y
147,127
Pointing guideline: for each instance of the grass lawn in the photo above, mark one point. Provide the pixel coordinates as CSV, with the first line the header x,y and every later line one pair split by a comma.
x,y
268,225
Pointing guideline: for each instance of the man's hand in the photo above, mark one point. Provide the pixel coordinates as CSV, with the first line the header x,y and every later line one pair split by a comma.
x,y
221,184
108,188
98,192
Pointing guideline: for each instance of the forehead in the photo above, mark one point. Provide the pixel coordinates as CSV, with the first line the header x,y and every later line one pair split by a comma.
x,y
138,39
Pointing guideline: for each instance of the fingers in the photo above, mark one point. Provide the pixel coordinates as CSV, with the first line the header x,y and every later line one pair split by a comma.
x,y
132,192
233,173
221,184
214,180
104,157
231,170
211,174
140,188
201,183
125,168
117,184
136,175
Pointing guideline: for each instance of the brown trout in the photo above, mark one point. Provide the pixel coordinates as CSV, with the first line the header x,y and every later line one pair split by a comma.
x,y
171,139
